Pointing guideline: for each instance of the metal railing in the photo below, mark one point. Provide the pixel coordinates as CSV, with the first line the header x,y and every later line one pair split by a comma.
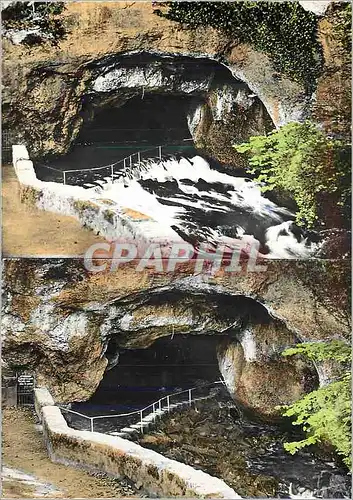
x,y
128,161
156,409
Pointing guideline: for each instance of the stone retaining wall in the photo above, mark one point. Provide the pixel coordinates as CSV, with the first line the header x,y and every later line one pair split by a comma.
x,y
103,216
42,398
153,473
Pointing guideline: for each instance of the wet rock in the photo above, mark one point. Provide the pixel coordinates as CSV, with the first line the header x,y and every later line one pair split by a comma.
x,y
248,456
334,486
210,453
336,244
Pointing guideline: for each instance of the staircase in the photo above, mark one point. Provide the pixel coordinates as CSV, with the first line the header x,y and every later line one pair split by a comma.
x,y
150,421
136,422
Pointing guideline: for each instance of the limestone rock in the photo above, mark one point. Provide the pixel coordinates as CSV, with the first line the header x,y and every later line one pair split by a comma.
x,y
101,32
256,374
58,318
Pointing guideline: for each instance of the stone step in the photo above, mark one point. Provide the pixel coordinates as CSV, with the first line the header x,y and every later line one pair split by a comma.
x,y
148,418
136,426
128,430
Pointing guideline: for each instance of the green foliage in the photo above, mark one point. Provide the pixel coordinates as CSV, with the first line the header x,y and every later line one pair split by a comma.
x,y
325,414
301,160
41,17
336,350
283,30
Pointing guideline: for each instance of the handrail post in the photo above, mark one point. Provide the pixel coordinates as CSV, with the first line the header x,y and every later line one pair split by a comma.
x,y
160,152
141,420
156,406
138,157
130,160
112,171
64,175
124,162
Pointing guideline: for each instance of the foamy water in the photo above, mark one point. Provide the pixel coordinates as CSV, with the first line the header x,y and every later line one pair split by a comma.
x,y
202,204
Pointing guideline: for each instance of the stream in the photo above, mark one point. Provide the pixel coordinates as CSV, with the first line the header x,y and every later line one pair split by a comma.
x,y
249,456
192,198
215,436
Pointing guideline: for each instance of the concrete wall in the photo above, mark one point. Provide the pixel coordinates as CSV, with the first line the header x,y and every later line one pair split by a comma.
x,y
42,398
24,166
103,216
154,473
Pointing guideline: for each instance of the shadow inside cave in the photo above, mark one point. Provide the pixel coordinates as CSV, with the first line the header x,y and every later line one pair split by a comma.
x,y
143,376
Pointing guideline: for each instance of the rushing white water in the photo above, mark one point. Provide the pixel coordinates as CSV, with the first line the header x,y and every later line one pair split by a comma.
x,y
202,204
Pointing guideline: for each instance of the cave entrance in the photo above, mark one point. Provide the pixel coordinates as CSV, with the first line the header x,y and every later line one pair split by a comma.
x,y
145,120
137,101
142,376
115,132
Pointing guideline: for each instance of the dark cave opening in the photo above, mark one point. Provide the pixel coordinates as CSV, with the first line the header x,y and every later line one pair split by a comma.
x,y
114,132
150,119
138,375
142,376
122,121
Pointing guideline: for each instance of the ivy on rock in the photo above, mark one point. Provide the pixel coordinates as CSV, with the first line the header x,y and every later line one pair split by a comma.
x,y
283,30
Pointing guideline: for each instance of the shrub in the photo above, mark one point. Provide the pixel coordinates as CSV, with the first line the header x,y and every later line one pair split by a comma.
x,y
40,16
325,414
301,160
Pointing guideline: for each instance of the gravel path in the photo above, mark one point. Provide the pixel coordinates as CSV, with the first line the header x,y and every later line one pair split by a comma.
x,y
30,474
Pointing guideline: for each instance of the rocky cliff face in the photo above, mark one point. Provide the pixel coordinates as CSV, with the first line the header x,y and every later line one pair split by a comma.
x,y
256,374
60,319
46,87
